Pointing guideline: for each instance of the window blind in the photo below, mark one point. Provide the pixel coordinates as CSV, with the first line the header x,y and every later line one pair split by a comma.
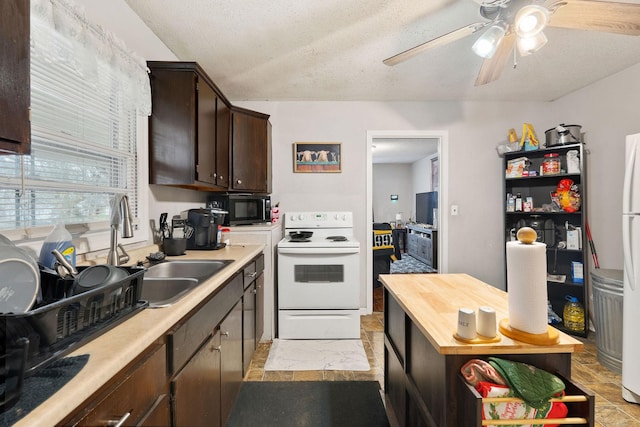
x,y
84,111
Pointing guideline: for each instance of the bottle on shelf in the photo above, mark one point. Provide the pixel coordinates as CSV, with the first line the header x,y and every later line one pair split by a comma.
x,y
573,314
518,202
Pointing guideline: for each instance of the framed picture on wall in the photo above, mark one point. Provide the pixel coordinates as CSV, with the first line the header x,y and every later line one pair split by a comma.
x,y
319,157
435,174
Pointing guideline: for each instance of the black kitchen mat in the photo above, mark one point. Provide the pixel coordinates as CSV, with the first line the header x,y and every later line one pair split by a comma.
x,y
41,385
309,404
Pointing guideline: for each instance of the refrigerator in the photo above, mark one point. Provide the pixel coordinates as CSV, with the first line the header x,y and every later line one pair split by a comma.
x,y
631,252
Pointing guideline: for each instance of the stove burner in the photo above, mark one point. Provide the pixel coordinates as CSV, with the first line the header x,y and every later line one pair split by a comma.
x,y
337,238
300,234
299,240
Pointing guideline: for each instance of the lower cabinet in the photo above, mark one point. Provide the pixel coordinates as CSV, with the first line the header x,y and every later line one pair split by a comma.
x,y
422,244
205,389
195,401
209,343
248,325
192,375
253,310
230,360
138,396
425,388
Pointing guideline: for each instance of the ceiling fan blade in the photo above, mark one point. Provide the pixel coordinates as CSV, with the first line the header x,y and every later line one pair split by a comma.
x,y
438,41
610,17
492,68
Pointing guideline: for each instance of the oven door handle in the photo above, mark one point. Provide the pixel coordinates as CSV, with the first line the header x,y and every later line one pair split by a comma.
x,y
318,251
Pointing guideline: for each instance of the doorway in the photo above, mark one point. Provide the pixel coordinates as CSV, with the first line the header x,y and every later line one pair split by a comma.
x,y
404,141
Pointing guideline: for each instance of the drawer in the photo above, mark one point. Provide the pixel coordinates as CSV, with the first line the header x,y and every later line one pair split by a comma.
x,y
187,337
136,392
253,270
579,401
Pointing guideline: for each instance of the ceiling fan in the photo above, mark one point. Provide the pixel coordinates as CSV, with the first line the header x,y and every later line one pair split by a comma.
x,y
521,23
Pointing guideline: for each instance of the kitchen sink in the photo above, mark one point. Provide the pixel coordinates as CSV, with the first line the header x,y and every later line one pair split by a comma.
x,y
165,283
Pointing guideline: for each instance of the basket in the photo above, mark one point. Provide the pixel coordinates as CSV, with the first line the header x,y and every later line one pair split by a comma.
x,y
59,324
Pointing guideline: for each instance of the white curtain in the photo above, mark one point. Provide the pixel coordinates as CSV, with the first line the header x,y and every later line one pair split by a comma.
x,y
91,44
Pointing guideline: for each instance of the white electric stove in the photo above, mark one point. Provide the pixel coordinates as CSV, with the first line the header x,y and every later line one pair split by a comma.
x,y
318,277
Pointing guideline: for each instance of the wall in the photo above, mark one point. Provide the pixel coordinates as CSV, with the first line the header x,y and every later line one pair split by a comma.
x,y
392,178
608,110
421,172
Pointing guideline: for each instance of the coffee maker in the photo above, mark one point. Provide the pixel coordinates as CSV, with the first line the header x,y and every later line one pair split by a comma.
x,y
205,224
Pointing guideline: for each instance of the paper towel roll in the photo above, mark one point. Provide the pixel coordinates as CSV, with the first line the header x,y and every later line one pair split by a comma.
x,y
527,286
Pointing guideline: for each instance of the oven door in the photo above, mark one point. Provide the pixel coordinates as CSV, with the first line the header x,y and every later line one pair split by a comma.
x,y
317,278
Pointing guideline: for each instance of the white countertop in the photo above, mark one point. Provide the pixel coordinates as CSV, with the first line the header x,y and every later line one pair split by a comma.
x,y
115,349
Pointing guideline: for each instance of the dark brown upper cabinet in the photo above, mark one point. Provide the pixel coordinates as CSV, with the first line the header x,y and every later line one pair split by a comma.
x,y
15,99
251,151
188,129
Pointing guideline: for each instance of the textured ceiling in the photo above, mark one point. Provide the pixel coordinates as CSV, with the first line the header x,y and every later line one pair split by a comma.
x,y
333,50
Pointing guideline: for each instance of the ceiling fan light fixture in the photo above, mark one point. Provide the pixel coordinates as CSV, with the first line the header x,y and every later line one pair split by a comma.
x,y
488,42
529,45
531,20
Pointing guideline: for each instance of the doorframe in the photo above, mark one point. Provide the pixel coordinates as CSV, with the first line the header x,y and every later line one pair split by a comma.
x,y
443,198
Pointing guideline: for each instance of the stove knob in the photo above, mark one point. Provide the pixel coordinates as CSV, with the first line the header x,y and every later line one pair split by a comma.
x,y
300,217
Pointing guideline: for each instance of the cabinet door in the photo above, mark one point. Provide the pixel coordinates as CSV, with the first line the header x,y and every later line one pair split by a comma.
x,y
231,359
248,326
196,389
206,158
223,140
172,127
159,414
259,308
134,396
250,157
15,126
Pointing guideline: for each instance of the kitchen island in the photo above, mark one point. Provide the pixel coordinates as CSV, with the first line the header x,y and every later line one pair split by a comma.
x,y
423,384
139,345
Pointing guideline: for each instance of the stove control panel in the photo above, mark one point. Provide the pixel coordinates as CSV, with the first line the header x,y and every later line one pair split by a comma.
x,y
318,219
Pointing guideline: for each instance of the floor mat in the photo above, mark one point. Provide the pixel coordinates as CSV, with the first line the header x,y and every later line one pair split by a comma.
x,y
309,404
317,355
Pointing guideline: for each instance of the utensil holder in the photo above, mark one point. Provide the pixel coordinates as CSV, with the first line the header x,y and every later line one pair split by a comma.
x,y
174,247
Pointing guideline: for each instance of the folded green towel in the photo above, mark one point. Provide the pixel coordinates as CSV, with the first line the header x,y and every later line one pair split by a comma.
x,y
529,383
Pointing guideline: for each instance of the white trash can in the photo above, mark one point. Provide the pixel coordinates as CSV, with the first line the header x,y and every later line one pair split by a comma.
x,y
608,290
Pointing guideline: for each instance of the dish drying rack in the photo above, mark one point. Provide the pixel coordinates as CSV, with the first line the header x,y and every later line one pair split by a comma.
x,y
59,324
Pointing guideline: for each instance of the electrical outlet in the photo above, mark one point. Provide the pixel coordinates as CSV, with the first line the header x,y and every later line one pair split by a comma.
x,y
454,210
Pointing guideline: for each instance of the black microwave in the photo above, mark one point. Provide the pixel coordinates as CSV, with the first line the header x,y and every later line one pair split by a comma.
x,y
244,209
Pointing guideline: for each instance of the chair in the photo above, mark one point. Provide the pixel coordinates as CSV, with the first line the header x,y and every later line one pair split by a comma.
x,y
383,250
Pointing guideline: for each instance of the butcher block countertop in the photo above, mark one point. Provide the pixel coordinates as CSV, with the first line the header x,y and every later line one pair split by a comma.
x,y
432,302
117,348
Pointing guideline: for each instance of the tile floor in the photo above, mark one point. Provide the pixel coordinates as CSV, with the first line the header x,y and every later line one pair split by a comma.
x,y
611,409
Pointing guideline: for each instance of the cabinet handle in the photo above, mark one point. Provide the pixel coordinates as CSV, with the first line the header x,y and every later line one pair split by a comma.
x,y
215,175
221,178
224,334
120,422
254,291
239,181
216,348
252,275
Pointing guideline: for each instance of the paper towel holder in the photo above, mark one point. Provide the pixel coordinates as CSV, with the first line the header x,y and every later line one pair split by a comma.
x,y
551,337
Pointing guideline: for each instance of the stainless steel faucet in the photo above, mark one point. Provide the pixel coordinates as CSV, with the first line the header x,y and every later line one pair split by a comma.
x,y
120,214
